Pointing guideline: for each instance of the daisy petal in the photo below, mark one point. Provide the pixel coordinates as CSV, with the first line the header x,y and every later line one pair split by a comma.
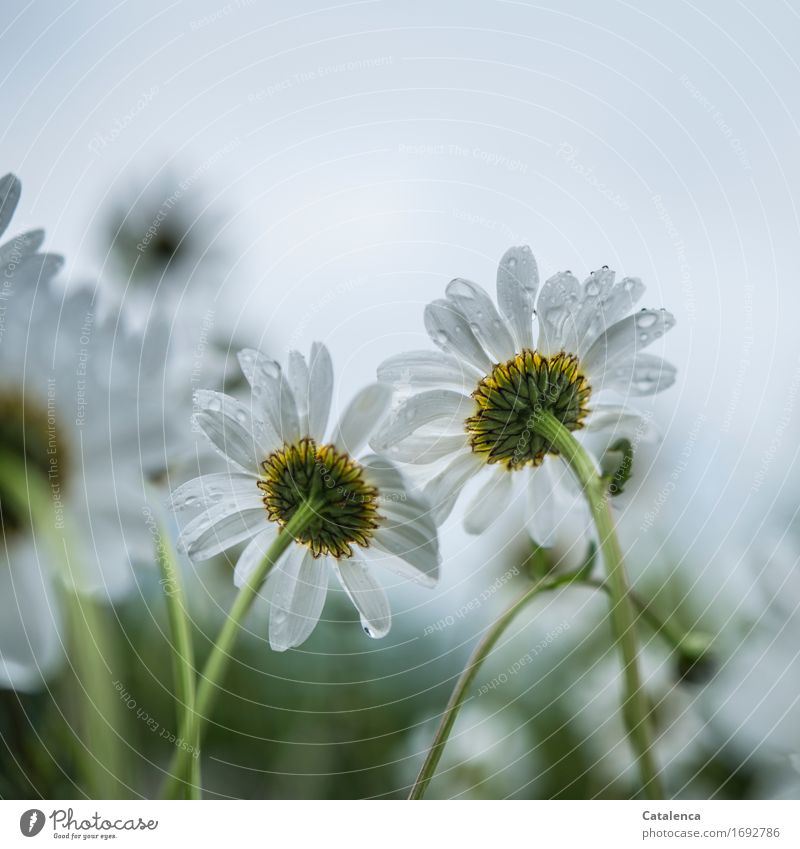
x,y
271,391
297,600
10,190
367,596
626,422
487,504
231,429
407,532
298,377
557,310
427,368
363,414
451,332
320,390
384,475
542,509
420,450
619,302
644,374
443,490
218,528
253,555
596,288
625,339
477,308
517,283
24,245
208,489
421,409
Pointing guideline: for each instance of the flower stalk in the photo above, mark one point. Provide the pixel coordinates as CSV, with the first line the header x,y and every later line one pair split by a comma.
x,y
217,663
182,652
459,694
635,710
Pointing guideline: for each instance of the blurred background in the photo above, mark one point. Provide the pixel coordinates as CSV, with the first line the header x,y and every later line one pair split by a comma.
x,y
320,171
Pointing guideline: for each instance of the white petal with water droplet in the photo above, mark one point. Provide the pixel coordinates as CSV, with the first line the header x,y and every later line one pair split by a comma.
x,y
232,430
271,394
428,368
452,333
219,528
482,317
557,311
367,596
517,284
298,596
211,489
436,405
625,339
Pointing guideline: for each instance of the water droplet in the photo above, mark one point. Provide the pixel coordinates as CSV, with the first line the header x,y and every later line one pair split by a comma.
x,y
272,369
646,319
512,262
214,404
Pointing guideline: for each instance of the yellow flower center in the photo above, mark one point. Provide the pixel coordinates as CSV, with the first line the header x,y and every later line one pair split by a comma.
x,y
345,504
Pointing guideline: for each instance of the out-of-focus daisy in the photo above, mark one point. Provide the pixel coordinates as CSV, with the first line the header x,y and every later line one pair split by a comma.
x,y
281,456
470,406
162,249
55,432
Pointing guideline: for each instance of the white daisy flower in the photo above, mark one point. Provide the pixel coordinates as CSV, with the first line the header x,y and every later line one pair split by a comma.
x,y
282,455
469,408
61,424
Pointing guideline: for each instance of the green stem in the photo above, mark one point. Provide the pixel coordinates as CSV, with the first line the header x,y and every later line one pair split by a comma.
x,y
217,662
458,696
635,709
689,645
182,652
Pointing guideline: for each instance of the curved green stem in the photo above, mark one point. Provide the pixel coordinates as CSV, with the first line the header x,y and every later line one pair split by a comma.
x,y
459,694
635,709
690,646
182,651
217,662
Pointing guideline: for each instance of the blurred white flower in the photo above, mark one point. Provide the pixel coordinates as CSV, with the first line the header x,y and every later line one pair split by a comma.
x,y
472,405
279,457
162,251
77,432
